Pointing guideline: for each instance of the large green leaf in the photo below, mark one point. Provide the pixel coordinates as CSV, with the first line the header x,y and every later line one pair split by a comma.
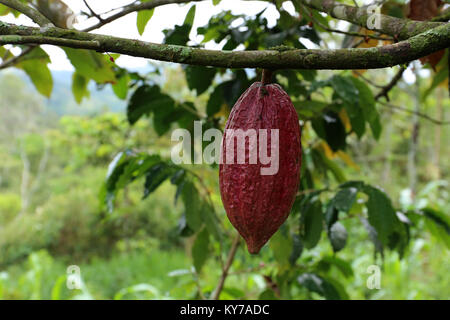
x,y
216,99
281,246
344,199
156,176
382,214
367,105
329,127
124,169
148,100
320,285
312,221
120,88
91,65
35,66
343,266
200,250
345,88
199,78
143,17
438,224
193,206
189,19
80,87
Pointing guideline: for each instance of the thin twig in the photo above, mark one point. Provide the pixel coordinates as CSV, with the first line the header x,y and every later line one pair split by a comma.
x,y
225,270
349,33
93,13
420,114
10,62
135,7
372,83
385,90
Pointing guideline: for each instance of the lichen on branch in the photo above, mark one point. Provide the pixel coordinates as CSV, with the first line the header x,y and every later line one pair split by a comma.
x,y
360,58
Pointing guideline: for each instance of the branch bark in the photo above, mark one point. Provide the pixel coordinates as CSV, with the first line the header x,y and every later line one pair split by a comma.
x,y
399,28
341,59
30,12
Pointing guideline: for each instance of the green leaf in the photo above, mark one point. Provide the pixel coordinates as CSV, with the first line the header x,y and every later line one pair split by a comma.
x,y
330,128
211,221
215,101
357,120
199,78
438,224
189,20
367,105
35,66
177,36
124,169
343,266
331,215
382,215
200,250
156,176
91,65
345,88
80,87
281,246
216,2
320,285
120,88
313,224
344,199
141,102
297,249
148,100
192,205
143,17
338,236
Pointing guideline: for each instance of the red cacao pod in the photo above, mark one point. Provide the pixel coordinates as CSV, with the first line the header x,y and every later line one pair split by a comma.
x,y
258,204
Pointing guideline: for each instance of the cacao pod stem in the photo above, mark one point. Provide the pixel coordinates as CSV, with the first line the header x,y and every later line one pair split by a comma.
x,y
266,76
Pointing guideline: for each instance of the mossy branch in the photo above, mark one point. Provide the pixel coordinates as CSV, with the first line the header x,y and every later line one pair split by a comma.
x,y
361,58
368,18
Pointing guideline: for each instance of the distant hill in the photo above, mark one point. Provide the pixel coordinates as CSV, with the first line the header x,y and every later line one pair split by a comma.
x,y
62,101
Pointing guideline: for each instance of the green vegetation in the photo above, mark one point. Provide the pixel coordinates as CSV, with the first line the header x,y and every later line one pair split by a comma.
x,y
88,181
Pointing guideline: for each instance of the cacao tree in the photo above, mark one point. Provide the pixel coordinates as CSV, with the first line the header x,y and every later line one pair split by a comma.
x,y
337,110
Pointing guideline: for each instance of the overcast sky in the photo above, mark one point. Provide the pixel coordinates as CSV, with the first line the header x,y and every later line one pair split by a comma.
x,y
164,17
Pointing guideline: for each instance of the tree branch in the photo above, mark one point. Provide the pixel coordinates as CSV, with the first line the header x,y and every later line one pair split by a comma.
x,y
419,114
134,8
385,90
15,59
399,28
341,59
216,294
33,14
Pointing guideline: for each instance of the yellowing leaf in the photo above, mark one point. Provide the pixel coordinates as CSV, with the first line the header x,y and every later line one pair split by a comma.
x,y
345,119
346,158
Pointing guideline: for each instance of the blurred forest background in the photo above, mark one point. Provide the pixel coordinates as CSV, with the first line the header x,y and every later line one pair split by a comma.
x,y
54,157
55,153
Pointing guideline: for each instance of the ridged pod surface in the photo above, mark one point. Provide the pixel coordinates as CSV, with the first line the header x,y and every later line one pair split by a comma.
x,y
256,204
